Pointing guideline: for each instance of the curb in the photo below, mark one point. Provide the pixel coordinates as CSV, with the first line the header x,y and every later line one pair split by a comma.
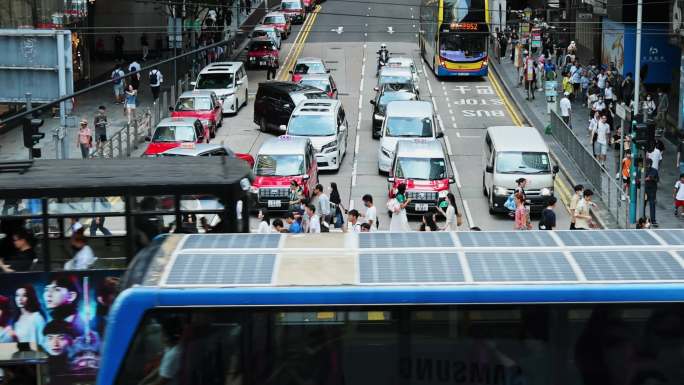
x,y
563,170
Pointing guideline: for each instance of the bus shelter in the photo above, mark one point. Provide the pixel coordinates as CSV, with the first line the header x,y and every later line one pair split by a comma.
x,y
118,205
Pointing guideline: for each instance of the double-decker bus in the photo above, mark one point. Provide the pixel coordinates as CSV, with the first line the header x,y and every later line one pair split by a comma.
x,y
454,36
416,308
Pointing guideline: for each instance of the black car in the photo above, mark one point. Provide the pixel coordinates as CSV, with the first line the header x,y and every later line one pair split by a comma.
x,y
390,92
275,102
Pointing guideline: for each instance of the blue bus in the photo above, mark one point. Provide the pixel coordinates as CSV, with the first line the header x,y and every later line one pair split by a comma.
x,y
454,35
481,308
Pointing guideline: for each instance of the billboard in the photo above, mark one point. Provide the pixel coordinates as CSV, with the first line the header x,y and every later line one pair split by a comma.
x,y
43,62
63,313
658,58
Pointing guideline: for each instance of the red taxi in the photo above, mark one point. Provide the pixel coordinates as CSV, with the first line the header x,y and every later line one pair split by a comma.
x,y
259,50
306,66
203,105
279,21
172,132
293,10
423,166
279,162
308,5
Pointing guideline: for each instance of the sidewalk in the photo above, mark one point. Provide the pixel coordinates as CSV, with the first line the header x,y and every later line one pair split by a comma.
x,y
536,111
85,107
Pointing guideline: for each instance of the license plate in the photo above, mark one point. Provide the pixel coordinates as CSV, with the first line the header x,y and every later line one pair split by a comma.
x,y
273,203
421,207
261,62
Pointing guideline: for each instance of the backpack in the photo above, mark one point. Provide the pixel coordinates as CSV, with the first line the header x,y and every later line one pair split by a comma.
x,y
153,77
117,77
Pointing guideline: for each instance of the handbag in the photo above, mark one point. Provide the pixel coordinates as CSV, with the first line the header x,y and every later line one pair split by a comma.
x,y
510,202
391,204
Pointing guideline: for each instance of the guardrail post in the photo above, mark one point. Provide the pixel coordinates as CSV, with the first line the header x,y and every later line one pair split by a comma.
x,y
118,139
135,136
128,137
111,149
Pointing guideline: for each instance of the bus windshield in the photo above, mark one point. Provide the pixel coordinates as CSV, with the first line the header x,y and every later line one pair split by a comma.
x,y
280,165
468,44
421,168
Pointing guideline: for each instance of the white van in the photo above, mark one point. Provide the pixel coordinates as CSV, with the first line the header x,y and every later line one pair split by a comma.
x,y
323,121
405,119
511,153
228,80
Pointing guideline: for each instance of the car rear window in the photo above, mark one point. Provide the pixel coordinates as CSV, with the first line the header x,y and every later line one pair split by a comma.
x,y
174,134
193,104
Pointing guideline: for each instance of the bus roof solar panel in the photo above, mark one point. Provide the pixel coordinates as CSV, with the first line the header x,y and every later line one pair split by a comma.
x,y
607,238
232,241
506,239
671,236
221,269
520,267
629,266
409,268
403,240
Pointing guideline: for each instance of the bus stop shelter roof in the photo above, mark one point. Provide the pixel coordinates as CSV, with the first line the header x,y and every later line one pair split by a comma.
x,y
113,177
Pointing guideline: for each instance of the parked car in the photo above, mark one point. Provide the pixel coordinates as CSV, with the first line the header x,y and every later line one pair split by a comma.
x,y
279,21
259,50
279,162
323,82
308,65
203,105
268,31
293,10
207,149
275,102
229,82
171,132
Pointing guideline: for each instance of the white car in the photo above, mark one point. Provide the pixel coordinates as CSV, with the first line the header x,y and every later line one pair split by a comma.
x,y
404,62
229,81
268,31
323,121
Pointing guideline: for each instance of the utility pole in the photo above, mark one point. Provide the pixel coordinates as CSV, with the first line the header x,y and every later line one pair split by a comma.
x,y
28,107
633,209
175,44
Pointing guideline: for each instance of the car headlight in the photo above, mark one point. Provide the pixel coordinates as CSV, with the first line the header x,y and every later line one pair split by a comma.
x,y
443,193
387,152
546,191
378,117
330,147
499,190
252,58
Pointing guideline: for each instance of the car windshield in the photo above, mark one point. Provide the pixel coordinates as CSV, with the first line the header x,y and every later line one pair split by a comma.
x,y
396,96
260,33
322,85
311,125
384,79
309,68
280,165
300,97
174,134
274,20
523,163
216,80
421,168
400,126
261,46
290,5
193,104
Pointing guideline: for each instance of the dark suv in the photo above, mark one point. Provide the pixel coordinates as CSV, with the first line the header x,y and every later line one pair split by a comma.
x,y
275,102
388,93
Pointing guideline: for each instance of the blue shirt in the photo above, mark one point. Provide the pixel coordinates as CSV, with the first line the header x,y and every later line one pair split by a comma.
x,y
295,227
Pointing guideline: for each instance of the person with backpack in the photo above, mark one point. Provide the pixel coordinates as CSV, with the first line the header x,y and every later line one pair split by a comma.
x,y
548,216
156,80
117,81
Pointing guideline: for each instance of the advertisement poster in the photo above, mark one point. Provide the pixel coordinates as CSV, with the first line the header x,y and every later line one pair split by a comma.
x,y
614,44
64,313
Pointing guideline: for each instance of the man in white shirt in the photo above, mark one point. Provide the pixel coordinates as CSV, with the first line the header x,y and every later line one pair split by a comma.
x,y
601,80
353,224
314,224
566,108
371,212
602,134
84,257
656,156
322,203
156,80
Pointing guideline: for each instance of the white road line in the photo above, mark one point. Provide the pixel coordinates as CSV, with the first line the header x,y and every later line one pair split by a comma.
x,y
428,82
469,217
451,111
354,173
448,144
453,124
434,104
441,124
356,146
351,204
360,102
447,100
456,175
453,118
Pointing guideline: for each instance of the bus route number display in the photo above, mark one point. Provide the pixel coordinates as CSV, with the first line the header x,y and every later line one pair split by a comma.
x,y
464,26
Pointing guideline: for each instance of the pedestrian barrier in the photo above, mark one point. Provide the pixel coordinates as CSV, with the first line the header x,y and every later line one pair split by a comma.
x,y
605,186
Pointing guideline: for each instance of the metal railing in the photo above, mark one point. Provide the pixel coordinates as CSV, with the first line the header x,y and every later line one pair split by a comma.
x,y
606,187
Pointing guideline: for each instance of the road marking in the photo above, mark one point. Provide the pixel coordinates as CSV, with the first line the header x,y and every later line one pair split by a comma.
x,y
434,104
469,217
453,118
351,204
356,146
467,136
298,45
451,111
447,99
453,124
354,173
497,87
448,144
456,175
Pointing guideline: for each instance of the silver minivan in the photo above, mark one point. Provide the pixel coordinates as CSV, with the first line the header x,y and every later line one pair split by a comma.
x,y
405,119
511,153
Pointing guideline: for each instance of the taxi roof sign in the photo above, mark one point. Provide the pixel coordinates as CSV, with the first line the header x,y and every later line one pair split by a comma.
x,y
188,145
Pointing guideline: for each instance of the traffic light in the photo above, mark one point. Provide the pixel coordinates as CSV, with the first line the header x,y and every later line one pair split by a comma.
x,y
31,134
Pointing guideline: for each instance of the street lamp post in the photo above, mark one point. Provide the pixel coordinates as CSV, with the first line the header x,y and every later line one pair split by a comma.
x,y
637,82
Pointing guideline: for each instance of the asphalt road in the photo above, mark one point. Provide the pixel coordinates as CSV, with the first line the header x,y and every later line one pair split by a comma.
x,y
346,34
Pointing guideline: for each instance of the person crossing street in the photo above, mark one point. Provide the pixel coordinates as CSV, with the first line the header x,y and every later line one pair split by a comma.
x,y
271,67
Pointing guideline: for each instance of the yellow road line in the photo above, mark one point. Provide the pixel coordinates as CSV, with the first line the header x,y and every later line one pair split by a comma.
x,y
294,45
507,103
298,45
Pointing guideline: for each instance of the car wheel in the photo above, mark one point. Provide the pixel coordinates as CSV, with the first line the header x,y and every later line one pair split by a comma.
x,y
244,102
484,187
490,203
262,125
235,106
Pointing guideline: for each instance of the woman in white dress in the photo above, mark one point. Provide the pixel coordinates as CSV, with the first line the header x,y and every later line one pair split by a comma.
x,y
399,222
28,327
451,214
